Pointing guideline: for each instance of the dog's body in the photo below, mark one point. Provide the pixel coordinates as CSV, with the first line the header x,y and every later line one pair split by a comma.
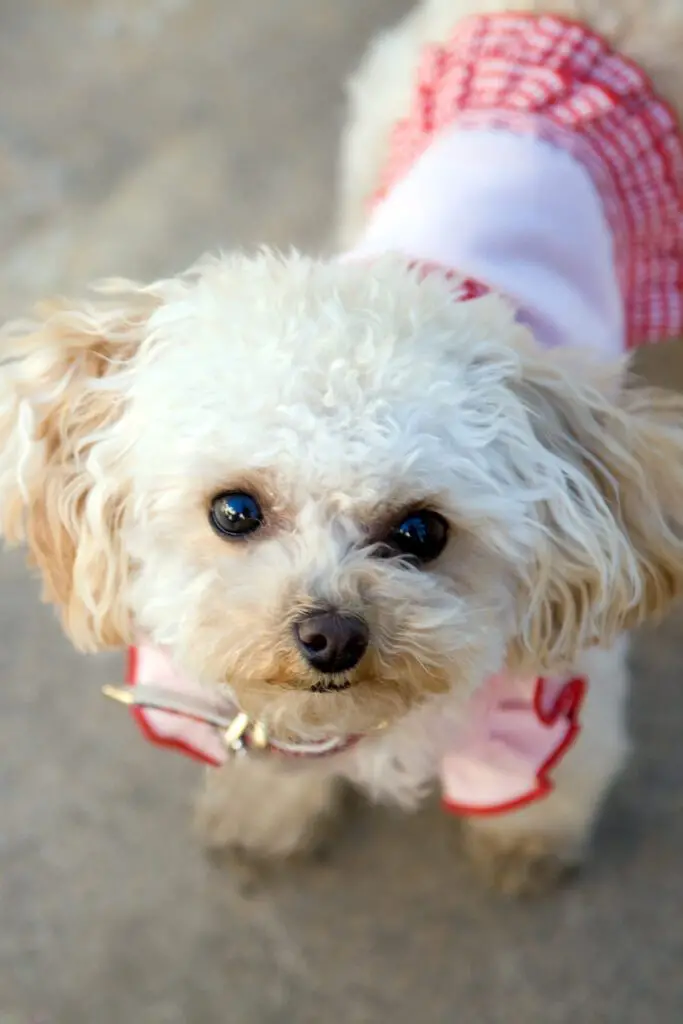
x,y
527,848
327,404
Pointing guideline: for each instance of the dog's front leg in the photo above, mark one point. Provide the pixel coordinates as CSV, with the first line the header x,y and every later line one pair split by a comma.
x,y
262,809
527,851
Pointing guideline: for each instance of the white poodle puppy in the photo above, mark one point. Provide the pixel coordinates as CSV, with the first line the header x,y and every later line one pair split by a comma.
x,y
386,517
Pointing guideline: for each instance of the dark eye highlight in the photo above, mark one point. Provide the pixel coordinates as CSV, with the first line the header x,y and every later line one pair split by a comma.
x,y
421,535
235,514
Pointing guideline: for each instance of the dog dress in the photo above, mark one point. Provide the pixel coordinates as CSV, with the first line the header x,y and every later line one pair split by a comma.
x,y
538,163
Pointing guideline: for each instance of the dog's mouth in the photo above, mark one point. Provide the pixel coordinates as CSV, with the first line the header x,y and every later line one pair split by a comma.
x,y
331,685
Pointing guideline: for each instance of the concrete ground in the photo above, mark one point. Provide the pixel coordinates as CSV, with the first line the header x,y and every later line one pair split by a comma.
x,y
133,135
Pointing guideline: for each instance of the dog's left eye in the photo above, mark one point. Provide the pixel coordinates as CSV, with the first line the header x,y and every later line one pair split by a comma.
x,y
421,534
235,514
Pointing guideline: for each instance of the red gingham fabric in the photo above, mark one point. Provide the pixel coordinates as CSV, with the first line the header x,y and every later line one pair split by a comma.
x,y
557,80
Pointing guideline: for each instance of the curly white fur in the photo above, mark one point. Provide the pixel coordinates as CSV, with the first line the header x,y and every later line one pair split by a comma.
x,y
342,397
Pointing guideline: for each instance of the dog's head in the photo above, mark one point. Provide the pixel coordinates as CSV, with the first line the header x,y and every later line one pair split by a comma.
x,y
333,486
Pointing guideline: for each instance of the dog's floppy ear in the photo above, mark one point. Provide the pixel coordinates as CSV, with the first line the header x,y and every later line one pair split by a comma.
x,y
62,391
609,529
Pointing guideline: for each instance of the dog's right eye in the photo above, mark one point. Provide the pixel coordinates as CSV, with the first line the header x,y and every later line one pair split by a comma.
x,y
235,514
421,535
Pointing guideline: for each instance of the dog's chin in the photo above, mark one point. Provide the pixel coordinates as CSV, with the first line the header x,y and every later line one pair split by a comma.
x,y
336,705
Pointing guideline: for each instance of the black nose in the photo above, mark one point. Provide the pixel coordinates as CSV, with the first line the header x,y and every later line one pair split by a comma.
x,y
330,641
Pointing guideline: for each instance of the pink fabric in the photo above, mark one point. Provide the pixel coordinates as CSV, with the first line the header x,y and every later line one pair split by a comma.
x,y
519,214
515,731
544,76
197,739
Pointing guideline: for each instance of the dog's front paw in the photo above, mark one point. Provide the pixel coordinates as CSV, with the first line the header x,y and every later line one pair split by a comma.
x,y
258,815
521,864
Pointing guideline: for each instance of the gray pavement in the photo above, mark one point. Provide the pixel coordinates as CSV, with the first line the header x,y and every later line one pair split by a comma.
x,y
133,135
